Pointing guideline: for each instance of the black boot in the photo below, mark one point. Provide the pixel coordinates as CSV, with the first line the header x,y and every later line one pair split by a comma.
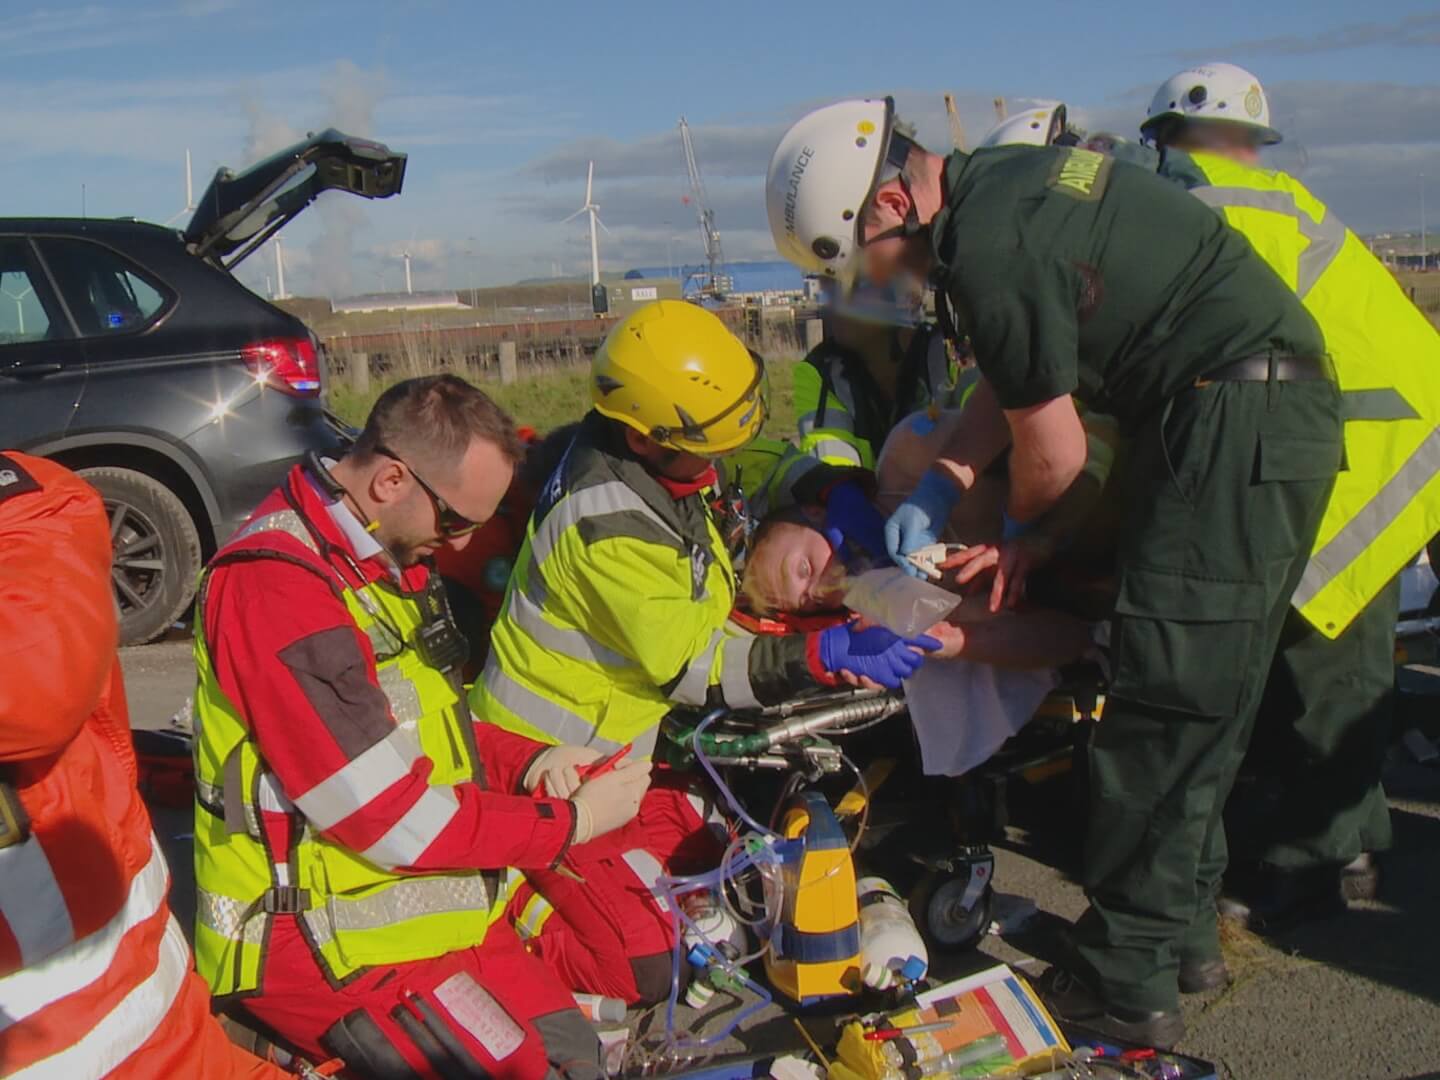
x,y
1279,899
1070,1000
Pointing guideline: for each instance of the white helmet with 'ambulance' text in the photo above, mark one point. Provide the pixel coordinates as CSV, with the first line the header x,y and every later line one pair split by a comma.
x,y
821,176
1211,93
1034,127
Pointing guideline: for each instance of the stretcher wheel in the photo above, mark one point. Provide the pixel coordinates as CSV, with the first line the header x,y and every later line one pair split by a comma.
x,y
939,906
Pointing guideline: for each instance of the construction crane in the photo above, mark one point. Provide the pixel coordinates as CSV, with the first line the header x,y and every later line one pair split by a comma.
x,y
714,283
957,129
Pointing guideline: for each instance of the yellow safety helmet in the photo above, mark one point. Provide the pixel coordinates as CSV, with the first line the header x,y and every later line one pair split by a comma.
x,y
674,372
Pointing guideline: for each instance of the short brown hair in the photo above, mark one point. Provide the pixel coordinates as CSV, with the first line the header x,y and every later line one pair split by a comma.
x,y
433,419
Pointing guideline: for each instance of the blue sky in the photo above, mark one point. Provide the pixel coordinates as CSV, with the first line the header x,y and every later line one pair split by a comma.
x,y
501,105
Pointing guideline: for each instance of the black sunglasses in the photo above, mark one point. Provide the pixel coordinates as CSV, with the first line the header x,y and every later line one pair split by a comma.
x,y
450,521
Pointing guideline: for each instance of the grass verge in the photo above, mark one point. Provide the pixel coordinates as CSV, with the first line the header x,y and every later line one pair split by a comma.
x,y
546,399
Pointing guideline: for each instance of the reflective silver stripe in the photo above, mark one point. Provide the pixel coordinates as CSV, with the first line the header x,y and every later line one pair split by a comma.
x,y
406,840
108,1043
836,419
224,915
648,869
31,902
283,521
532,916
272,799
572,643
694,685
405,899
210,795
401,694
559,723
834,448
361,779
1326,237
1361,530
611,497
643,745
45,980
1386,403
735,672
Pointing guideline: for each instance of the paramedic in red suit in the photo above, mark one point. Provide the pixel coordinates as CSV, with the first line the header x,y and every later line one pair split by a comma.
x,y
335,741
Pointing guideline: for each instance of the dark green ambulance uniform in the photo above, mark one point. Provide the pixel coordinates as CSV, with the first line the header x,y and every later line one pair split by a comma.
x,y
1077,274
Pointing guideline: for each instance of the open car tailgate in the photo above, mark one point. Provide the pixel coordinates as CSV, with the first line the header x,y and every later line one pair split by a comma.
x,y
240,211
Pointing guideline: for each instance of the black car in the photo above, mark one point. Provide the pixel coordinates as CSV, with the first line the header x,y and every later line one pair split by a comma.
x,y
129,353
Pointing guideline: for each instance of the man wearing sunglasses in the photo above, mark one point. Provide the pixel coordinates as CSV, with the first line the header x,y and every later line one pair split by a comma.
x,y
618,611
1078,276
353,825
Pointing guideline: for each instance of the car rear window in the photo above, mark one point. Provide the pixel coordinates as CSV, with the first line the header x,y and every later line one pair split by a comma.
x,y
107,293
22,313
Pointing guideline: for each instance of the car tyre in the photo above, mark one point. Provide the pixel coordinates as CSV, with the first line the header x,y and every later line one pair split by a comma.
x,y
157,551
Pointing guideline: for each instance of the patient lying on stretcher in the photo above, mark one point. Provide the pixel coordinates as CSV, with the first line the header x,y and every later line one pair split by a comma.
x,y
791,567
1023,612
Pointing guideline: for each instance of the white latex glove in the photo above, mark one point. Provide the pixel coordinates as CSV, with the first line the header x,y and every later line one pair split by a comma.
x,y
611,800
555,768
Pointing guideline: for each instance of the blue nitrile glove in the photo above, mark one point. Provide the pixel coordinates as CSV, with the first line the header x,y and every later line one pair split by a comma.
x,y
852,522
919,520
874,652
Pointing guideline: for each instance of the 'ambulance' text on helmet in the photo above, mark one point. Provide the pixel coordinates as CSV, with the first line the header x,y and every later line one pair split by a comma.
x,y
821,175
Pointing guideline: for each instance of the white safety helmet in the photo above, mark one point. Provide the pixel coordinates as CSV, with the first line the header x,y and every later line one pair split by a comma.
x,y
1212,93
821,176
1034,127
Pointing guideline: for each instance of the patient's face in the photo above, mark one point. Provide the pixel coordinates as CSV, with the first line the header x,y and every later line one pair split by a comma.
x,y
793,569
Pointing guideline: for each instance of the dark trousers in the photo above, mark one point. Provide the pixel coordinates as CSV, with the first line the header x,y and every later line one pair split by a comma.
x,y
1320,743
1222,502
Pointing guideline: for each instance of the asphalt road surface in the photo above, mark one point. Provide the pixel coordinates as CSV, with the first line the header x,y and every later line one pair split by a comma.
x,y
1352,997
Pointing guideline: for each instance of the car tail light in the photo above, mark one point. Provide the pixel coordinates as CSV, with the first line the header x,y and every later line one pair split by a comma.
x,y
287,364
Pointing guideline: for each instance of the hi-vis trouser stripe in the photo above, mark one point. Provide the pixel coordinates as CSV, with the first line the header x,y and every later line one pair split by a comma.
x,y
1326,236
1361,530
46,979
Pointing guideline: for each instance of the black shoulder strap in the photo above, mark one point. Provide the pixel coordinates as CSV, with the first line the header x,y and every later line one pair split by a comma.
x,y
15,479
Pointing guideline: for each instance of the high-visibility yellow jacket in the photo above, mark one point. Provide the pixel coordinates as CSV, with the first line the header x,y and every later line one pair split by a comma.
x,y
1386,502
618,610
839,413
356,914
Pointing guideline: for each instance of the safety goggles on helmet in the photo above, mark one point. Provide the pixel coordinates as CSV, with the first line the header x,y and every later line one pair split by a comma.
x,y
690,434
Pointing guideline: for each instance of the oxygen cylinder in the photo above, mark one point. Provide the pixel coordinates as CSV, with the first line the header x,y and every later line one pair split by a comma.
x,y
890,945
714,927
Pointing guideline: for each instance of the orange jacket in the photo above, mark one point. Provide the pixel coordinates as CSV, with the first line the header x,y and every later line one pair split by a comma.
x,y
95,975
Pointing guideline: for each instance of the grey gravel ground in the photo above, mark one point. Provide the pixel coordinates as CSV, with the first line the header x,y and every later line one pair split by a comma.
x,y
1353,997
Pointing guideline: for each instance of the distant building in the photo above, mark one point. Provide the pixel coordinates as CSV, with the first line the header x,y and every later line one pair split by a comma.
x,y
420,301
626,295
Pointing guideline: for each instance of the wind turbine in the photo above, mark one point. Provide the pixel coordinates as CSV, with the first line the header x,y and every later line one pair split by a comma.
x,y
592,208
189,207
279,270
409,285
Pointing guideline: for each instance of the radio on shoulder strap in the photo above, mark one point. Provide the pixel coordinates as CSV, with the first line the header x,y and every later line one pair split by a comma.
x,y
14,824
